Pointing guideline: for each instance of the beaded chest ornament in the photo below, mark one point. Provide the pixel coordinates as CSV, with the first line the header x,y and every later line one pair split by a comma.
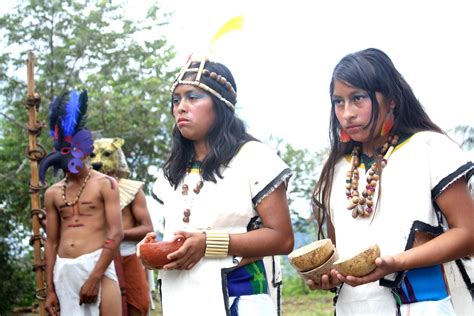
x,y
188,196
78,195
363,205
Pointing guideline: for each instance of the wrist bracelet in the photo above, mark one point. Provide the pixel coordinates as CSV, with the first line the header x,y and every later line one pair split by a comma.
x,y
217,243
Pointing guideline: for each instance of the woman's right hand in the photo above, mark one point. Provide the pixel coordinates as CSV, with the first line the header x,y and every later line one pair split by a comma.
x,y
327,282
150,237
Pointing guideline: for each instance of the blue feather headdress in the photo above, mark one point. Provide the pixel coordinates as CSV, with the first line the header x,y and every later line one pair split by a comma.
x,y
71,139
68,115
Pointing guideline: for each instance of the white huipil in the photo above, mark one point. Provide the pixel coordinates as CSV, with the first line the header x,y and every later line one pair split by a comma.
x,y
227,205
422,166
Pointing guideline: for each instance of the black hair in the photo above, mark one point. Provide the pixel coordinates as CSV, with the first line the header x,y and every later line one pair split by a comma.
x,y
373,71
225,137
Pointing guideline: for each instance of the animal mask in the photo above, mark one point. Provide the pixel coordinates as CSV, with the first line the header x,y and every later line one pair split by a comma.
x,y
109,158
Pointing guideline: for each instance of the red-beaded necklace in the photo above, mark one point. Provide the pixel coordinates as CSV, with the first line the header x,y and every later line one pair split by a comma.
x,y
189,197
362,205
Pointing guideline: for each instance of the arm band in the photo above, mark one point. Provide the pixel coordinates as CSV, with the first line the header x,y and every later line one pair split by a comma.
x,y
217,244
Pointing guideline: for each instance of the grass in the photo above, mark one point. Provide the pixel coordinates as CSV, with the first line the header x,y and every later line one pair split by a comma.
x,y
318,303
298,300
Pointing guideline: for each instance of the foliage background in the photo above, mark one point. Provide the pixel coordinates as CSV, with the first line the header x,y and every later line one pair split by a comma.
x,y
85,45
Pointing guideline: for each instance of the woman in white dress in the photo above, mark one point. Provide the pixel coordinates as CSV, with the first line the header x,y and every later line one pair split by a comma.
x,y
395,179
225,192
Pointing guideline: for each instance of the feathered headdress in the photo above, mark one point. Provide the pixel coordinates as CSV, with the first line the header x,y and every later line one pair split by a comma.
x,y
71,139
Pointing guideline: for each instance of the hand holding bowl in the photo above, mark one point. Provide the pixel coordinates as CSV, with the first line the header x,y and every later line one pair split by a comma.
x,y
154,254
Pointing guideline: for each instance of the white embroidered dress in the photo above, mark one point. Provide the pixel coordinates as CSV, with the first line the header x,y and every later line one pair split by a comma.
x,y
227,205
422,166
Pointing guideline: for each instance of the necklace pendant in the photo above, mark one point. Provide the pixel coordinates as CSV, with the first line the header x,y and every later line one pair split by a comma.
x,y
351,205
198,187
187,212
184,189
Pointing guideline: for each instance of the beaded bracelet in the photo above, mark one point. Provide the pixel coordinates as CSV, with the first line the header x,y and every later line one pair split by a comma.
x,y
217,243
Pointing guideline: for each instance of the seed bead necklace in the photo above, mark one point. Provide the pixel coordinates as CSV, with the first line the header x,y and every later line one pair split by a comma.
x,y
78,195
363,205
187,196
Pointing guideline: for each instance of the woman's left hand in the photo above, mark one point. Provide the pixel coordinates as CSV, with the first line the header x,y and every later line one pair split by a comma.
x,y
385,265
186,257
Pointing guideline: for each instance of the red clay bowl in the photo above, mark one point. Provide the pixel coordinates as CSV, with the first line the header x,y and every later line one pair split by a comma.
x,y
154,254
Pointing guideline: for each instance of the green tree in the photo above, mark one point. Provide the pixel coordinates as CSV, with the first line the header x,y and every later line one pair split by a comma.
x,y
85,45
306,166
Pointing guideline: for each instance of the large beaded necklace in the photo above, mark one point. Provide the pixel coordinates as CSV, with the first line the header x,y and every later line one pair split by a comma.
x,y
78,195
189,197
363,205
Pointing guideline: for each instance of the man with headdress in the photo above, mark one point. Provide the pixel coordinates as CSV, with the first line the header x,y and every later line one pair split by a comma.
x,y
84,226
109,159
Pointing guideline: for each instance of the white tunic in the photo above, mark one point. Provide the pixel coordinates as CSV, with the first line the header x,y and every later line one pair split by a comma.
x,y
227,205
416,173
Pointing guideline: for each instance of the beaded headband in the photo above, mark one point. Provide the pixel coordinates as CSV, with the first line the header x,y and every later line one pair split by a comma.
x,y
201,71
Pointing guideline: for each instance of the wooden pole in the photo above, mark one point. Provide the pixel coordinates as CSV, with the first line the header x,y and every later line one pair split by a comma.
x,y
35,152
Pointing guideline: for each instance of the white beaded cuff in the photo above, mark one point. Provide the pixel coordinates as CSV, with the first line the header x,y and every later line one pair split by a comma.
x,y
217,243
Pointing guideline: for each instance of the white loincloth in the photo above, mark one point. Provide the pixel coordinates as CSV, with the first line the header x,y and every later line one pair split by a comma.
x,y
70,275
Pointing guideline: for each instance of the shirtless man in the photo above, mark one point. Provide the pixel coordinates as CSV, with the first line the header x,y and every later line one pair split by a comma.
x,y
109,159
84,224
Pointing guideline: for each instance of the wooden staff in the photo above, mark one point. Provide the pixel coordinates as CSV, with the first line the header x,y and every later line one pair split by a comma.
x,y
34,153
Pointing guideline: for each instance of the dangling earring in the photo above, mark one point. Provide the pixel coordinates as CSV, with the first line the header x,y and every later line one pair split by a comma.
x,y
345,138
387,123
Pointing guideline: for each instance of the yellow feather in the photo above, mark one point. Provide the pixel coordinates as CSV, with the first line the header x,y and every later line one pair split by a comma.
x,y
236,23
